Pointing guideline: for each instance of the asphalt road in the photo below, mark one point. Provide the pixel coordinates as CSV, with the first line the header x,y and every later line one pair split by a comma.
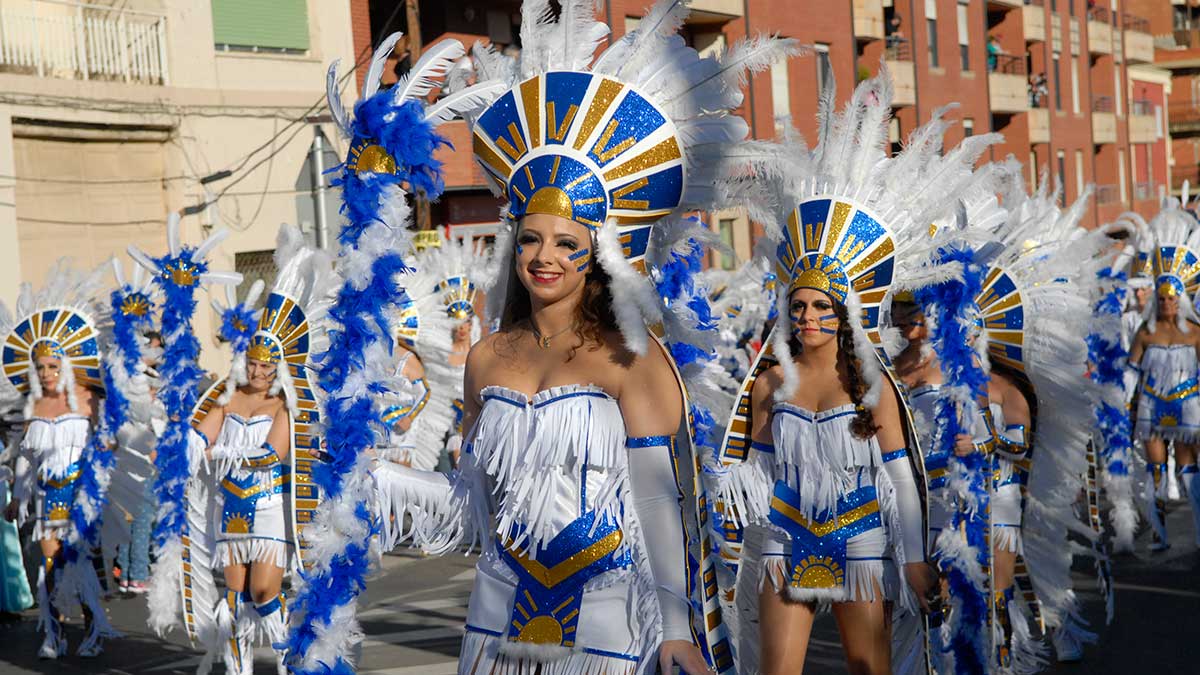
x,y
414,610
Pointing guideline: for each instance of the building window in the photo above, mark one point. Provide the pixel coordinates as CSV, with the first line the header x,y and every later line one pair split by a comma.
x,y
1075,85
968,127
1078,173
1121,175
824,69
931,25
1118,107
781,106
277,26
728,259
1057,85
964,38
1062,174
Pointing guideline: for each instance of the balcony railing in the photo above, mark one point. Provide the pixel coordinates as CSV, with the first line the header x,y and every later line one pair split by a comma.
x,y
1102,104
1179,174
72,40
897,49
1100,14
1134,22
1144,191
1108,194
1141,107
1007,64
1187,112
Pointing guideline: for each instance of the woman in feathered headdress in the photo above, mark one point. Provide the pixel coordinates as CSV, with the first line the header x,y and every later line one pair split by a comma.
x,y
1164,354
52,358
577,452
257,428
831,489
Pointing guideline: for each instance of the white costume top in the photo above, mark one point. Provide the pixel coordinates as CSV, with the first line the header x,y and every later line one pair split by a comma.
x,y
251,525
549,481
48,468
1168,401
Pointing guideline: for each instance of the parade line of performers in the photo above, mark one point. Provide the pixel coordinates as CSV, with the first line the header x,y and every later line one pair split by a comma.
x,y
904,409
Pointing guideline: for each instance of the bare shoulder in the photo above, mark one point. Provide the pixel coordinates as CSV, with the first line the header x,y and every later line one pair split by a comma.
x,y
767,383
484,353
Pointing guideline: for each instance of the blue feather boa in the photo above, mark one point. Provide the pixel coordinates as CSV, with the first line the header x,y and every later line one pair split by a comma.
x,y
238,326
181,380
1107,359
359,320
951,307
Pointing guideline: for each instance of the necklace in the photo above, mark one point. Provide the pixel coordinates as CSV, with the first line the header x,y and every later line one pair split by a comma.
x,y
543,341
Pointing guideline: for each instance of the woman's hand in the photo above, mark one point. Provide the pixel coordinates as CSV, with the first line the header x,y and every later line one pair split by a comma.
x,y
923,580
684,654
11,511
964,445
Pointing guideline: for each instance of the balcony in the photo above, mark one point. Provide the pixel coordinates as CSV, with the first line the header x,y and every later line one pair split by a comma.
x,y
1008,90
1183,118
1185,173
1005,4
1106,195
1099,31
1145,191
1139,43
898,58
1039,125
1104,121
1143,124
1033,17
83,42
728,8
868,20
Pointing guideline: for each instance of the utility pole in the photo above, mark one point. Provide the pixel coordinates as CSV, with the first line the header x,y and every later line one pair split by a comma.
x,y
316,163
412,15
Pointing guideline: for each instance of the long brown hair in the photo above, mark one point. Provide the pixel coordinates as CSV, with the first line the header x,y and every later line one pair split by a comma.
x,y
863,426
593,317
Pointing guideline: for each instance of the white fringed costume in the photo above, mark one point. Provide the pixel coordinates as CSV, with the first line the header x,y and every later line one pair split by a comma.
x,y
1167,397
595,545
59,321
853,224
1035,309
248,506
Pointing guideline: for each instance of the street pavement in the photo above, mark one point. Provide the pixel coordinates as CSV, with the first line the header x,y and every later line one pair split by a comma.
x,y
414,610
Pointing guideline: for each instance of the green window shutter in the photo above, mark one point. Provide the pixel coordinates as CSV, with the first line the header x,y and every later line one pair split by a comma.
x,y
268,24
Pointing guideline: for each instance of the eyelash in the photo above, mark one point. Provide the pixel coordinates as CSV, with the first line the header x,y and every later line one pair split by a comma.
x,y
566,243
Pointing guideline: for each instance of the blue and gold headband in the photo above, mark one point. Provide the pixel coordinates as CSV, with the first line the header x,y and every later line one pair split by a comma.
x,y
282,330
1175,268
585,147
458,296
58,332
834,246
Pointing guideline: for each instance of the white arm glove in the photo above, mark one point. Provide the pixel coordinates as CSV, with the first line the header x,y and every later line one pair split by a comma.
x,y
656,499
908,504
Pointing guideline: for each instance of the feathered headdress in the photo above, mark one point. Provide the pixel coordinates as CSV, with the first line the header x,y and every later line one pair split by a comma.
x,y
1035,310
1170,255
393,141
614,142
56,321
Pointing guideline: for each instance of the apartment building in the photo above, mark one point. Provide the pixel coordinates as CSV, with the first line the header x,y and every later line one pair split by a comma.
x,y
114,113
1175,27
1068,82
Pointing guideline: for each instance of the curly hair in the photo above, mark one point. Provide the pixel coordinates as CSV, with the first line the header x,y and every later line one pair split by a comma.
x,y
850,371
593,317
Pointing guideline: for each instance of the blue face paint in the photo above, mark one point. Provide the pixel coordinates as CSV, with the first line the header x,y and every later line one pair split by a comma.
x,y
581,254
823,321
520,249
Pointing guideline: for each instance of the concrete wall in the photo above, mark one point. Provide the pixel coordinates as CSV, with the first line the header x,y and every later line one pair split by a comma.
x,y
216,110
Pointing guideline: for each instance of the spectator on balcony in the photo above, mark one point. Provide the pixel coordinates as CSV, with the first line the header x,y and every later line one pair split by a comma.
x,y
1038,90
895,36
993,50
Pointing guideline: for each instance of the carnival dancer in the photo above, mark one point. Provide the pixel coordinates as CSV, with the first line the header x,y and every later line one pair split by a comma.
x,y
1034,311
436,319
256,428
832,482
578,471
1163,354
52,357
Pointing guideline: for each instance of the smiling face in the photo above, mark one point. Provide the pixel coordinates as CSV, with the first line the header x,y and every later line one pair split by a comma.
x,y
814,320
259,374
49,368
552,257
